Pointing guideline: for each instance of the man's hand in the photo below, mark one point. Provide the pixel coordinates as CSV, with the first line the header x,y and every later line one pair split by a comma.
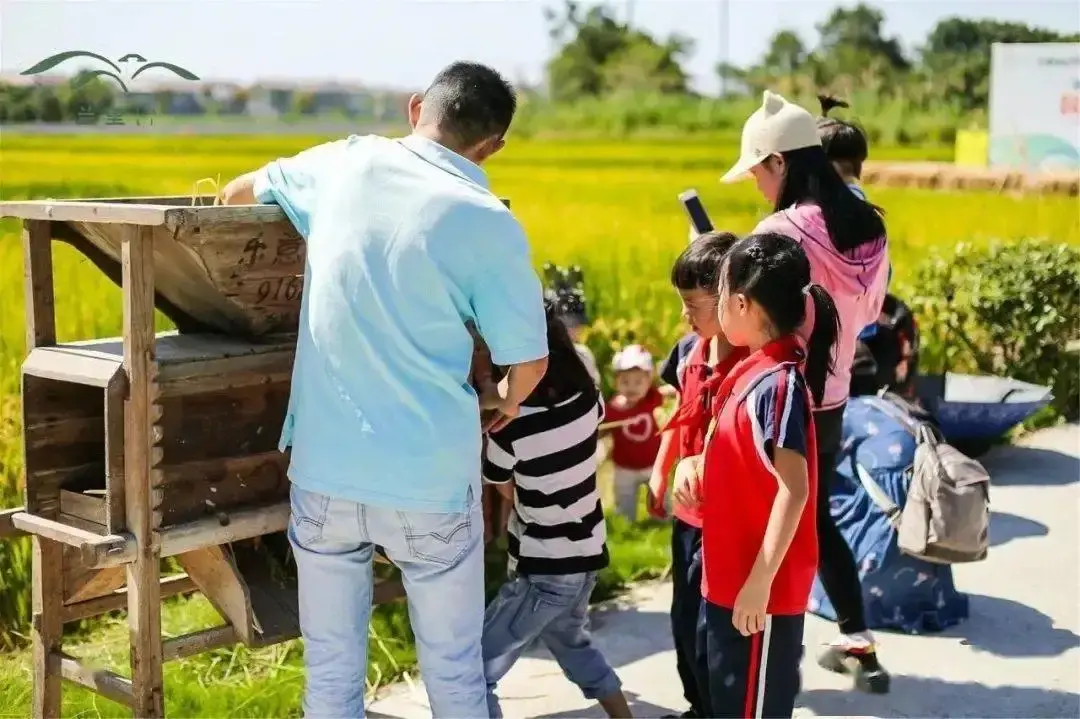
x,y
240,191
748,615
687,485
499,416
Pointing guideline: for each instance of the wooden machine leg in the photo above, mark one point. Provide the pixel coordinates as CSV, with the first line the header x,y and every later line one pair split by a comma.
x,y
47,625
144,591
48,578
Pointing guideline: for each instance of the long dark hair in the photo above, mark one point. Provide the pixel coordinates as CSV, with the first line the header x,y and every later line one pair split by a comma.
x,y
809,177
844,143
566,374
774,271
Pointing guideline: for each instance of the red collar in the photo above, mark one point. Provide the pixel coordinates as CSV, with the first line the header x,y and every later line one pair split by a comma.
x,y
779,351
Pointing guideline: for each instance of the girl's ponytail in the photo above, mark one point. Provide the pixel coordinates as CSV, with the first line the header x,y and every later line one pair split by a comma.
x,y
828,102
819,359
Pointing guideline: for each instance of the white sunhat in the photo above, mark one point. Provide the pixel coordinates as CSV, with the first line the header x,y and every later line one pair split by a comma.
x,y
632,357
777,126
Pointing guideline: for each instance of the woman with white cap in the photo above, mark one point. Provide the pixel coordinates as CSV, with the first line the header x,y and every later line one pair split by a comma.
x,y
844,237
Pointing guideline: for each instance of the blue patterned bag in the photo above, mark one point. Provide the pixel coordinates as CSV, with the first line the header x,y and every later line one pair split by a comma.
x,y
899,591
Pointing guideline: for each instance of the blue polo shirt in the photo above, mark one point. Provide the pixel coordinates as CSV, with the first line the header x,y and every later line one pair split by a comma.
x,y
405,242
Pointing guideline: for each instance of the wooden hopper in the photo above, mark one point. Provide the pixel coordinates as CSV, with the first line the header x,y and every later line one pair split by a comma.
x,y
238,270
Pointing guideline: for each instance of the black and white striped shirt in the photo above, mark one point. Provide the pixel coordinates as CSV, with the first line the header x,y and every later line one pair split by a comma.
x,y
557,526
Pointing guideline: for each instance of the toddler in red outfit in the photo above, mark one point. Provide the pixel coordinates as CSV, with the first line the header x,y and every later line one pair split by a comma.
x,y
630,415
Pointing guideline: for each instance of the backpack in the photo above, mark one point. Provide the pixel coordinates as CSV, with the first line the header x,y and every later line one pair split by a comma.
x,y
882,347
946,517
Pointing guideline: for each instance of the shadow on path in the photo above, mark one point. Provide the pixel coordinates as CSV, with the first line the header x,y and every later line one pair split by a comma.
x,y
1030,467
1007,628
637,707
924,697
1005,527
628,635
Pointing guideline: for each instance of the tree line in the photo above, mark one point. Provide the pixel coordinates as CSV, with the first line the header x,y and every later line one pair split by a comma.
x,y
601,55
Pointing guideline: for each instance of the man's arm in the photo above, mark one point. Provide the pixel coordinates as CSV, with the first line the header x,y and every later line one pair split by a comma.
x,y
291,182
508,302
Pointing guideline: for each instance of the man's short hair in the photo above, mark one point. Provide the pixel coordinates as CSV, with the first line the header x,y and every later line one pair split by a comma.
x,y
470,102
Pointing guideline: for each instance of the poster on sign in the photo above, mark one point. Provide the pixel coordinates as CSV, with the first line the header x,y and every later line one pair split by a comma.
x,y
1035,106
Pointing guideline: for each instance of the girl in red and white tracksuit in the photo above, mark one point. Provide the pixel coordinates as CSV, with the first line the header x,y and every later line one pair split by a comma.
x,y
756,482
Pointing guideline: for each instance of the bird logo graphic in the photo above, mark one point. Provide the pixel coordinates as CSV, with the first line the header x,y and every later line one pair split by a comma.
x,y
111,70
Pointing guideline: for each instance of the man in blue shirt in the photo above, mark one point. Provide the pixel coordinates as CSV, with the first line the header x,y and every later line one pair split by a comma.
x,y
405,244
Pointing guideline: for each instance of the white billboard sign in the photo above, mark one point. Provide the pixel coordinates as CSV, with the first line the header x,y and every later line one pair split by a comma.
x,y
1035,106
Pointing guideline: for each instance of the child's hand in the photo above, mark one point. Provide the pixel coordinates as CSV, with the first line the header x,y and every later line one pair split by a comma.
x,y
654,497
687,485
748,615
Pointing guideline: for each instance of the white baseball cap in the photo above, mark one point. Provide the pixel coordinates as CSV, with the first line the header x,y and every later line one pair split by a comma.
x,y
777,126
632,357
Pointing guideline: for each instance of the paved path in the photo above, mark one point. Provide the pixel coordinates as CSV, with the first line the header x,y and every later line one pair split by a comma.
x,y
1017,656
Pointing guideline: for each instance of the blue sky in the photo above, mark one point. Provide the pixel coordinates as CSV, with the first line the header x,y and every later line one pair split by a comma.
x,y
402,43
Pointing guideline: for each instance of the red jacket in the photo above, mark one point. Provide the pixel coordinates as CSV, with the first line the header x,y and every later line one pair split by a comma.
x,y
693,415
740,485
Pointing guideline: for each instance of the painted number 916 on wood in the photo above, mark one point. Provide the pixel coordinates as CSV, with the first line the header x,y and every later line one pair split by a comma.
x,y
279,289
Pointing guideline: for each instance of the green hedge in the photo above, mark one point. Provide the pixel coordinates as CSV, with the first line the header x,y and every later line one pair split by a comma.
x,y
1007,309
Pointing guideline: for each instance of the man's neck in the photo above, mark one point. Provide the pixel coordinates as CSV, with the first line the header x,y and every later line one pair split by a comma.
x,y
429,132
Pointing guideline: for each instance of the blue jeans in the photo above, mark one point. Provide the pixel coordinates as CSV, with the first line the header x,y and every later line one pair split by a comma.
x,y
553,608
441,559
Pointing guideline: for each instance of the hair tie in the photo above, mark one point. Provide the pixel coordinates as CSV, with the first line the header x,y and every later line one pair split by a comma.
x,y
806,288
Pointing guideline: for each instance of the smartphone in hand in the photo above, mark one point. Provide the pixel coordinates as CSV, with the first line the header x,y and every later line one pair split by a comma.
x,y
696,211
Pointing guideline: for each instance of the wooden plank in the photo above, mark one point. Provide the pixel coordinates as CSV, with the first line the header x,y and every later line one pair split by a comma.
x,y
172,348
63,431
93,583
210,217
170,587
46,624
77,504
55,531
80,211
143,587
79,523
45,399
225,528
101,681
198,642
191,424
115,394
214,572
65,364
216,375
79,476
205,488
38,281
47,557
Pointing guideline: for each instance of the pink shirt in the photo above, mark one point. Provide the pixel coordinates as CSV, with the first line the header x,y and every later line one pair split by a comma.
x,y
856,280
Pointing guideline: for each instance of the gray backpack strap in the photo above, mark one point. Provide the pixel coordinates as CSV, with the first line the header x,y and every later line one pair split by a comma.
x,y
890,509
